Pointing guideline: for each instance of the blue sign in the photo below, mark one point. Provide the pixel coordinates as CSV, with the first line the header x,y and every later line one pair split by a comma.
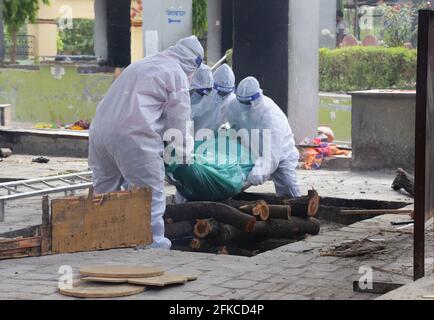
x,y
175,15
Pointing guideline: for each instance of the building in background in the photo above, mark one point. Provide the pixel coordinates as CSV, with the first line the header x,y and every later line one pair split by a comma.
x,y
52,35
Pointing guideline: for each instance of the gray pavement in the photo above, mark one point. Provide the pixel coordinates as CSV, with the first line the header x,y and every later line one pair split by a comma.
x,y
295,271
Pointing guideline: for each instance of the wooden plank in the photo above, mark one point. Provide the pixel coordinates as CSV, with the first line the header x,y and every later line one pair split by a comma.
x,y
105,280
377,287
20,243
161,281
114,220
376,212
121,271
20,248
45,230
97,290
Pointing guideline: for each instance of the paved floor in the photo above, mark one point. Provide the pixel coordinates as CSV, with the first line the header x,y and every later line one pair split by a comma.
x,y
419,290
296,271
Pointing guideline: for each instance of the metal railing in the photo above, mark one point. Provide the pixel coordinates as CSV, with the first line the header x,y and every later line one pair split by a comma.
x,y
25,47
43,186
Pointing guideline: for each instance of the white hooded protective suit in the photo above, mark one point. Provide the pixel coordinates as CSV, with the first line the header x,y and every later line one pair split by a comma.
x,y
202,79
126,136
280,163
211,111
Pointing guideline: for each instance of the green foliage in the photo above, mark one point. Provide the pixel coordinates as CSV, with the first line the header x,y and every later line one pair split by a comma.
x,y
229,57
200,18
400,22
17,13
364,68
79,40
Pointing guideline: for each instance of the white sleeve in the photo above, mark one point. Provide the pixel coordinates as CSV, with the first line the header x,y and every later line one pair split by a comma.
x,y
178,116
269,160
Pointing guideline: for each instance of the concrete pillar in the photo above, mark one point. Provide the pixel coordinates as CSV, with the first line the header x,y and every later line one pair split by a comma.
x,y
100,34
303,68
227,25
327,23
113,32
165,22
214,45
119,32
277,42
2,39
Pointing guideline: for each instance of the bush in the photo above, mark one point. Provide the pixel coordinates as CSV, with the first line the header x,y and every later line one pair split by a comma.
x,y
364,68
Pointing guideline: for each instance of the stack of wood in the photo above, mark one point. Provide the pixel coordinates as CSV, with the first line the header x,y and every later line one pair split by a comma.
x,y
246,225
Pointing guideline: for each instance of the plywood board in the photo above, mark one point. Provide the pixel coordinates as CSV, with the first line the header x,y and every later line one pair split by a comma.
x,y
161,281
114,220
97,290
105,280
120,271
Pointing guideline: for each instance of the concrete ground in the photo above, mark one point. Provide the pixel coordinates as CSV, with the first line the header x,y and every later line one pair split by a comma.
x,y
295,271
422,289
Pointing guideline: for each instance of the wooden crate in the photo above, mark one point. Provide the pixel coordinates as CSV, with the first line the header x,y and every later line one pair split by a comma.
x,y
115,220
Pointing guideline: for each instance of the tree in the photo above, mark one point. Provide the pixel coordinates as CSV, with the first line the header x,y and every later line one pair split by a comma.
x,y
200,18
79,40
16,14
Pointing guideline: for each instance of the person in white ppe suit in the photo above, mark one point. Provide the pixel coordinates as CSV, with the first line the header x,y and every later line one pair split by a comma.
x,y
252,110
201,84
126,137
211,111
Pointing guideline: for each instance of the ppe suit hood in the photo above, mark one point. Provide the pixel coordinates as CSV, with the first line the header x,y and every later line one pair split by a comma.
x,y
224,78
203,78
186,51
247,89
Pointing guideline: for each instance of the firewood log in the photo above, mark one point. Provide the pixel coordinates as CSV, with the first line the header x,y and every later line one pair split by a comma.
x,y
205,210
216,233
259,209
293,228
179,230
307,206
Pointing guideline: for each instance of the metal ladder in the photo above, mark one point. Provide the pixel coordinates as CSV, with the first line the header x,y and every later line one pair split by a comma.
x,y
43,186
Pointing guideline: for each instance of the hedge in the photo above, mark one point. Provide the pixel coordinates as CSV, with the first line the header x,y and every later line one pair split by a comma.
x,y
364,68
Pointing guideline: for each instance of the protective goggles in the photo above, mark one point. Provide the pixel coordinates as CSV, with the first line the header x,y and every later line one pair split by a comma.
x,y
199,61
224,89
248,99
204,92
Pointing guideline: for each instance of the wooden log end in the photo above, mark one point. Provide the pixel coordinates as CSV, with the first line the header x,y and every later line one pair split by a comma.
x,y
223,251
313,203
202,228
195,244
262,210
250,226
169,221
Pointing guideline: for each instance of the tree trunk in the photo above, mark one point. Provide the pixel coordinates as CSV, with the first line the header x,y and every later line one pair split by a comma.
x,y
13,51
205,210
